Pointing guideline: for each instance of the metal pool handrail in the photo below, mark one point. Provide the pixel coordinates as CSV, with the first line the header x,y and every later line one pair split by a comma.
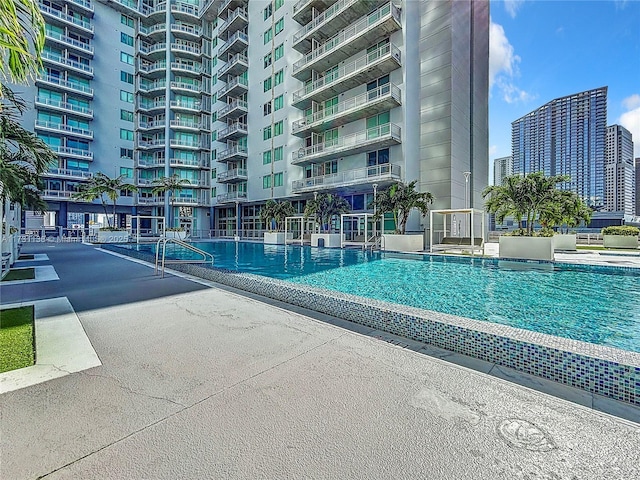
x,y
163,260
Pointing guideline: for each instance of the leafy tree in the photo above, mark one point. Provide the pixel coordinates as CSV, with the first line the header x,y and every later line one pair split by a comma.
x,y
171,185
400,199
274,211
566,209
103,187
324,207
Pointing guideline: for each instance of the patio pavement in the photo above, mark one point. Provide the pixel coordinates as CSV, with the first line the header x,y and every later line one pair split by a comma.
x,y
201,382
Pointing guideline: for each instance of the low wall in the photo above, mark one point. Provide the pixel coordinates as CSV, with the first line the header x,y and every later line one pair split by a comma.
x,y
596,369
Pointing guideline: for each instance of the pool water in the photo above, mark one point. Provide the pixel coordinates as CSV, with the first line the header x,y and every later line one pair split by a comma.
x,y
596,305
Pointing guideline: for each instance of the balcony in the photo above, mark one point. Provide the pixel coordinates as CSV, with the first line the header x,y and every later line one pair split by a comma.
x,y
150,163
154,125
186,106
65,62
153,69
380,99
129,7
353,39
157,30
59,83
72,152
151,106
62,128
68,174
159,9
195,67
146,182
359,142
383,175
185,11
191,87
69,42
151,144
186,125
159,49
188,163
302,11
236,20
233,176
233,132
65,19
187,49
209,9
57,194
58,105
232,197
150,200
236,43
235,87
186,144
233,110
328,23
363,69
192,31
235,65
148,87
233,154
227,5
86,5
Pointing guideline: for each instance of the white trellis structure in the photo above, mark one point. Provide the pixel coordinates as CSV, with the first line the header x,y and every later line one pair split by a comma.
x,y
156,231
296,231
363,235
454,237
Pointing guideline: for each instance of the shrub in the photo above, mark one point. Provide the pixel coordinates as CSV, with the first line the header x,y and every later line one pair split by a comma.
x,y
625,230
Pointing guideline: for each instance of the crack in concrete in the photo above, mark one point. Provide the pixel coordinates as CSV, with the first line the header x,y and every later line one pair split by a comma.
x,y
184,407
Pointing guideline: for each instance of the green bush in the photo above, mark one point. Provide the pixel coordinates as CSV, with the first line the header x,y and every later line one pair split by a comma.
x,y
521,232
174,229
112,229
625,230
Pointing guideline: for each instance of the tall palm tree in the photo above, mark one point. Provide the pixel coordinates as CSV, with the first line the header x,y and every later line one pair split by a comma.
x,y
171,185
567,209
400,199
274,211
103,187
324,207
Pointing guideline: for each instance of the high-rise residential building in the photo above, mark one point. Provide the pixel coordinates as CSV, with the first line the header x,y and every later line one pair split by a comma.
x,y
637,189
502,167
566,136
619,171
252,100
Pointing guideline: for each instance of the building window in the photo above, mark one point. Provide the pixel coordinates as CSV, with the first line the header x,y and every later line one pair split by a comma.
x,y
126,77
266,181
126,39
279,52
278,4
266,133
279,26
268,10
278,179
126,134
126,96
126,153
278,154
278,128
268,35
126,115
126,172
267,60
278,102
266,157
267,84
278,78
379,157
266,109
126,58
128,21
79,165
214,42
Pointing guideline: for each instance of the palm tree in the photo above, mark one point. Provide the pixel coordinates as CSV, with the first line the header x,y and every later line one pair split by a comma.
x,y
274,211
324,207
173,185
567,209
400,199
100,186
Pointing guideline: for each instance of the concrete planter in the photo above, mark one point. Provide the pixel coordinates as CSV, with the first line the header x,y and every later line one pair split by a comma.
x,y
526,248
274,238
330,240
620,241
176,234
402,243
113,236
566,242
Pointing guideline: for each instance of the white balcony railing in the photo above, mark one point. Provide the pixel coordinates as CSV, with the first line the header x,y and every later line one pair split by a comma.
x,y
325,16
61,127
232,197
66,84
192,30
156,27
152,105
231,152
65,172
234,127
64,105
67,18
241,36
375,173
231,106
76,152
238,12
53,57
231,84
189,67
148,49
150,86
188,48
84,46
186,124
236,173
233,60
152,124
194,87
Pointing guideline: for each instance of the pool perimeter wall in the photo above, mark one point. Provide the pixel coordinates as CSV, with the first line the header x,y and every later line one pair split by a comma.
x,y
605,371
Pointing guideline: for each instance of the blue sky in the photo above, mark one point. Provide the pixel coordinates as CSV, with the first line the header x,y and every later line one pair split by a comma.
x,y
545,49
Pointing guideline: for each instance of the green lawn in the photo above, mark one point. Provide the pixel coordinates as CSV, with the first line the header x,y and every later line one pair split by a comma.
x,y
16,338
600,247
20,274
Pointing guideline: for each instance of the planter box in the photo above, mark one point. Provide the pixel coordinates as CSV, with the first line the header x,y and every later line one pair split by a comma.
x,y
565,242
274,238
117,236
330,240
620,241
178,235
526,248
402,243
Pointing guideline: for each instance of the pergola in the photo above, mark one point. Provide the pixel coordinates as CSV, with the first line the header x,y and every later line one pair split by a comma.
x,y
153,233
458,241
294,231
361,236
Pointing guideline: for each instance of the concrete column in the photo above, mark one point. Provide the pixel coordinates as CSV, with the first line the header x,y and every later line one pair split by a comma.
x,y
61,217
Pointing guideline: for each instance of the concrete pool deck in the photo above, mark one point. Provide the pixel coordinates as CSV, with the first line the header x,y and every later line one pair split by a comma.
x,y
200,382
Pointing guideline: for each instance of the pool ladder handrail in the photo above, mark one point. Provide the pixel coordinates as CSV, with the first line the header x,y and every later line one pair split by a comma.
x,y
163,261
373,243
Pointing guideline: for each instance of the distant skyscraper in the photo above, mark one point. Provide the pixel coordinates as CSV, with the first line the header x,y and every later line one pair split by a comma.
x,y
502,167
566,136
619,191
637,192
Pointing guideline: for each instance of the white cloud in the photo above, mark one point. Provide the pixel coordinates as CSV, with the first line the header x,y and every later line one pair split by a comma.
x,y
493,149
503,65
631,120
512,7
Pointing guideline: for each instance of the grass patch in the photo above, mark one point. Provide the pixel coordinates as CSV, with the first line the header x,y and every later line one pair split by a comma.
x,y
20,274
16,338
26,257
600,247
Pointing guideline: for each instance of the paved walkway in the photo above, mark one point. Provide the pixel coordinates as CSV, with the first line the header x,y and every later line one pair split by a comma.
x,y
200,382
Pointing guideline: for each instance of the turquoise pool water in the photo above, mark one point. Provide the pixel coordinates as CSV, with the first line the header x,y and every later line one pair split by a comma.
x,y
596,305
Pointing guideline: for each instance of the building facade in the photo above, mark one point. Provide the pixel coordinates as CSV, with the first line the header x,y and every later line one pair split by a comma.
x,y
637,189
502,167
619,171
252,100
566,136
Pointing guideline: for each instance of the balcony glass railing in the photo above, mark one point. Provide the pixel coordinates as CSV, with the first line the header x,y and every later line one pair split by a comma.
x,y
354,103
61,127
186,124
231,106
348,142
185,8
232,83
327,15
185,143
156,47
230,152
158,27
232,61
153,124
194,87
150,86
238,12
87,47
152,105
359,64
195,67
64,105
187,48
159,8
152,143
374,173
241,36
187,162
77,152
65,172
190,29
232,174
234,127
186,105
86,4
53,57
67,18
66,84
232,197
347,34
150,67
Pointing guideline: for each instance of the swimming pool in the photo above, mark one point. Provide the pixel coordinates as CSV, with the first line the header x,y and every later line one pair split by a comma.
x,y
593,304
